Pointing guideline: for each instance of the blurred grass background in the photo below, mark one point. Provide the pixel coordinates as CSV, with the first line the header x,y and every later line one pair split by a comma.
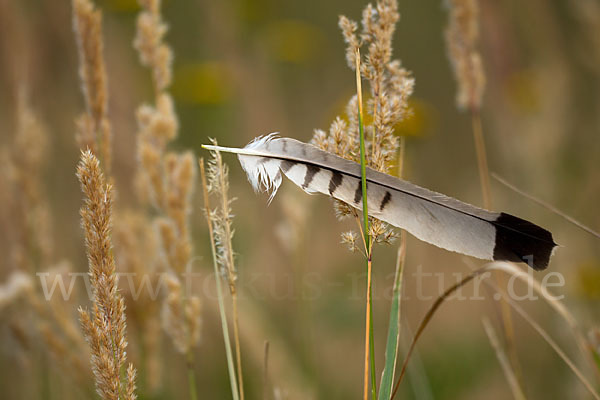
x,y
244,68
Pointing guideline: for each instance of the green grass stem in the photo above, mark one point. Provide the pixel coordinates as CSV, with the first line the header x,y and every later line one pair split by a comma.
x,y
370,344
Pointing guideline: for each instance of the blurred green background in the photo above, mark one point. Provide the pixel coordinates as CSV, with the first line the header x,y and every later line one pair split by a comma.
x,y
249,67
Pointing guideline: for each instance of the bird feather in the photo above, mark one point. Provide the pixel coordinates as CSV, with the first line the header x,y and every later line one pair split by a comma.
x,y
432,217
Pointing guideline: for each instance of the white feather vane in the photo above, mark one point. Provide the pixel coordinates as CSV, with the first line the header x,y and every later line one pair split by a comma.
x,y
263,173
432,217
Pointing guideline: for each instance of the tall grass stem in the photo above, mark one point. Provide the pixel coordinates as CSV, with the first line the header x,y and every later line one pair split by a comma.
x,y
425,321
484,177
513,382
191,376
369,343
224,327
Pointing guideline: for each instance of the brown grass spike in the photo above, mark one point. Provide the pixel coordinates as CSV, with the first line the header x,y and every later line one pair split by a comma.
x,y
105,325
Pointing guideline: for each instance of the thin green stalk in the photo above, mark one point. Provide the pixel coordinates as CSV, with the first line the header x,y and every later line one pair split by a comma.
x,y
228,352
393,339
371,336
369,341
191,376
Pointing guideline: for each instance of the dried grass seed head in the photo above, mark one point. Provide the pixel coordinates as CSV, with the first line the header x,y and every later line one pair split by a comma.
x,y
349,239
349,29
181,316
105,327
153,53
390,88
87,24
461,41
221,217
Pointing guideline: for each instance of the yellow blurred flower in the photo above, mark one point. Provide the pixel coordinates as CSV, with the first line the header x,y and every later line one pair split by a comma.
x,y
293,41
588,277
418,122
202,83
522,91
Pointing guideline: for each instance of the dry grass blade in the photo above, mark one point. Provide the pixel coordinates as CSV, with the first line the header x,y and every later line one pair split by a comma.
x,y
218,178
545,205
266,388
583,344
513,382
482,163
549,340
427,318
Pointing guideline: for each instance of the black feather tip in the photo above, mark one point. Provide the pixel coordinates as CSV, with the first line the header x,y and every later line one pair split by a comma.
x,y
521,241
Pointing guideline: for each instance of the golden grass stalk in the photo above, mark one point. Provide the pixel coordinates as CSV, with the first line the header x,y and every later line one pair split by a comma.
x,y
168,180
266,384
105,326
462,35
482,163
390,86
218,184
513,382
94,129
224,327
366,236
